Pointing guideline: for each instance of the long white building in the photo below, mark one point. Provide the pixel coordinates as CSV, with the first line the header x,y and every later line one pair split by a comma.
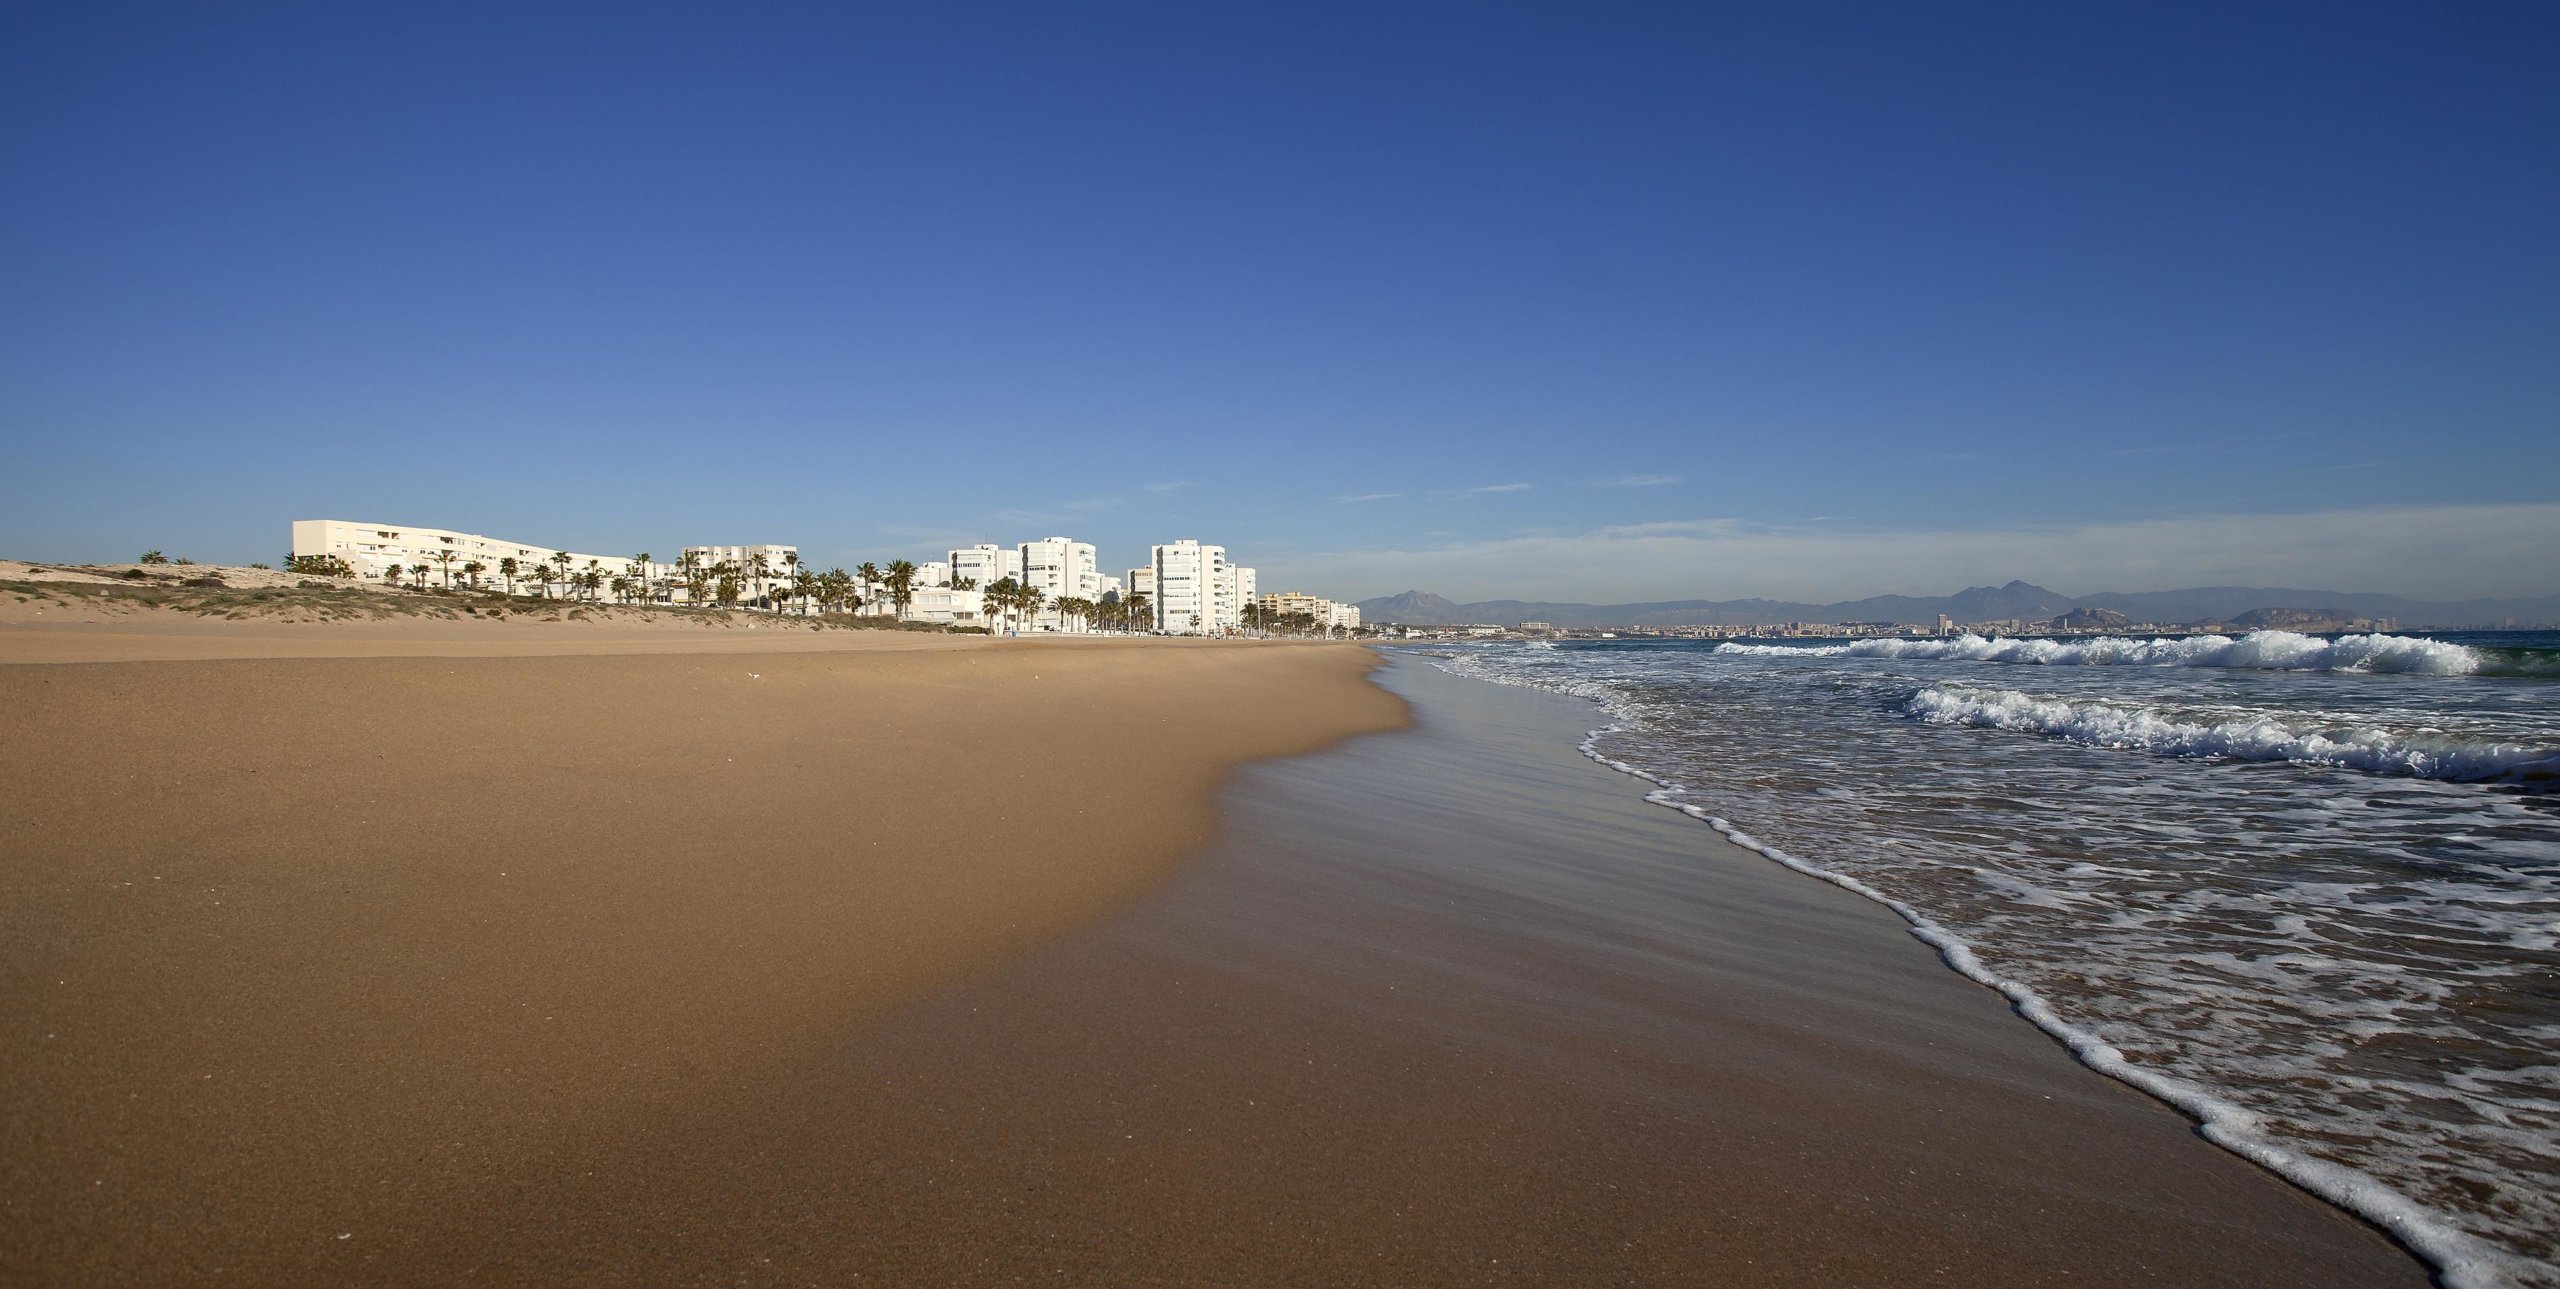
x,y
778,560
372,549
1329,614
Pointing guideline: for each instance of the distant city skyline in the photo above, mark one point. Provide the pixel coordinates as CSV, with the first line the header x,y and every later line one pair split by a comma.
x,y
1490,302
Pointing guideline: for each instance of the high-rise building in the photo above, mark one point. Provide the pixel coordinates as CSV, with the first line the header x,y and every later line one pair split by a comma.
x,y
1189,581
1235,590
986,564
1059,568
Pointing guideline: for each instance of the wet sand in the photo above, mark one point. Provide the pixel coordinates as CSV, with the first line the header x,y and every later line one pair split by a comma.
x,y
1453,1006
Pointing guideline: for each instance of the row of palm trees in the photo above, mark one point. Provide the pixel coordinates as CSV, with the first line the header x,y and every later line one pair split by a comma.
x,y
791,585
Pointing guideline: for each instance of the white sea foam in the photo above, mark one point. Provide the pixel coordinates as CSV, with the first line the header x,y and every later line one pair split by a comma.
x,y
2338,986
2252,737
2462,1260
2257,651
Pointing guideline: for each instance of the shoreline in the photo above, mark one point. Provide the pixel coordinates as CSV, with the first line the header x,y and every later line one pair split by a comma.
x,y
1450,1005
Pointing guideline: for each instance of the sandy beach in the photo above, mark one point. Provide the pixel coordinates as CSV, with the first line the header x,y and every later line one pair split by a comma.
x,y
317,968
934,960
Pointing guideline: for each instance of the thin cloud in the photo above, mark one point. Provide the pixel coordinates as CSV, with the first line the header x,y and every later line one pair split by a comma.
x,y
1641,481
1368,496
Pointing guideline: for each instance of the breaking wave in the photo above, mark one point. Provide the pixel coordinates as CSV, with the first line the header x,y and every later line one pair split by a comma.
x,y
2246,738
2256,651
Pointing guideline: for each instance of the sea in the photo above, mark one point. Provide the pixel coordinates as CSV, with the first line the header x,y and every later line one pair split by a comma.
x,y
2304,888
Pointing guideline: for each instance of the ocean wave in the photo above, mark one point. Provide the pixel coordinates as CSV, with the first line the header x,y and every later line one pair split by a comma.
x,y
2252,738
2256,651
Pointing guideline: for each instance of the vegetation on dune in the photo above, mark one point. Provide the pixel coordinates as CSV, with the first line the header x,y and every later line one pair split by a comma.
x,y
328,601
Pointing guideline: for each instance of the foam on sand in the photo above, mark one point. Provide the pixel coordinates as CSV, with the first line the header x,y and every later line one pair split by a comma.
x,y
2461,1260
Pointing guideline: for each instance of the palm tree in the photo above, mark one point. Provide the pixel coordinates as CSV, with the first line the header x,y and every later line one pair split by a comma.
x,y
804,584
445,558
999,601
1134,608
902,584
473,570
560,558
392,575
640,572
621,589
418,574
1027,601
870,575
507,568
759,568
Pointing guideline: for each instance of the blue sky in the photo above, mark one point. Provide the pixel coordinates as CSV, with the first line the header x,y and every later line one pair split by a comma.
x,y
1559,301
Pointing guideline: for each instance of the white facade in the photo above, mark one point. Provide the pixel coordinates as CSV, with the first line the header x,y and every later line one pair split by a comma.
x,y
1328,614
1190,581
933,572
1059,568
946,605
1235,590
986,563
776,565
371,549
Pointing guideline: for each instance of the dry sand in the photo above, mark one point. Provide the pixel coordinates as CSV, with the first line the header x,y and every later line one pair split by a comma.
x,y
330,970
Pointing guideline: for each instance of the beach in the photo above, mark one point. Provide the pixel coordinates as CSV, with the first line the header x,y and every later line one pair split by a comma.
x,y
931,960
335,968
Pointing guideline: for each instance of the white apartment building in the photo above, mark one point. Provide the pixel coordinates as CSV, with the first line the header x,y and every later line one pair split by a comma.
x,y
1235,590
370,549
985,564
778,560
1138,581
1059,568
1191,580
933,572
1329,614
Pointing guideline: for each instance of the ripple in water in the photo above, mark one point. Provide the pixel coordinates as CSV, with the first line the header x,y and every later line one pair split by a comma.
x,y
2306,889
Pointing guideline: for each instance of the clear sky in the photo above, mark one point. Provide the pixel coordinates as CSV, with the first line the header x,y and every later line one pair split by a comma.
x,y
1563,301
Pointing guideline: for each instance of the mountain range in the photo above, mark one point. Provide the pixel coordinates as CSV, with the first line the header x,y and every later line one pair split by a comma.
x,y
2021,600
